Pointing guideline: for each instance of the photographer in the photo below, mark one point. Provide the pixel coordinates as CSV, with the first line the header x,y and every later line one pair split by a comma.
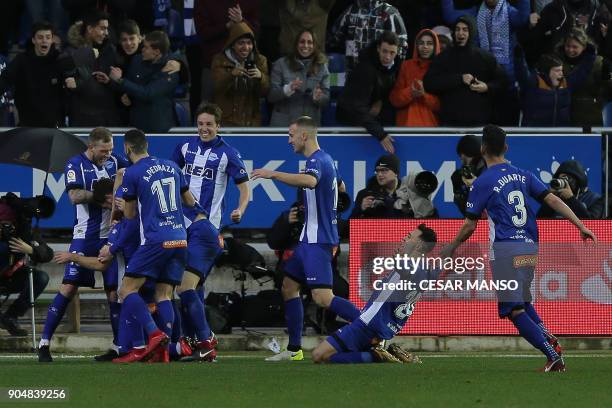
x,y
378,198
16,241
472,164
570,183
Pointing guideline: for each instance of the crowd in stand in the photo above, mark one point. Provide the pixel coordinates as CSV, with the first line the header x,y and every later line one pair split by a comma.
x,y
369,63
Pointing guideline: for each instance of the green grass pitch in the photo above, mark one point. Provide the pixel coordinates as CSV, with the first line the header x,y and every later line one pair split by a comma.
x,y
245,380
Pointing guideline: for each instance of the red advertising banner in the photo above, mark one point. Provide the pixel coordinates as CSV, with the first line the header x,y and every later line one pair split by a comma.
x,y
572,287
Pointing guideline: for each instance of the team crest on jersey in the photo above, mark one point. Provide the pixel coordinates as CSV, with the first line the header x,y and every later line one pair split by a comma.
x,y
71,176
213,157
404,310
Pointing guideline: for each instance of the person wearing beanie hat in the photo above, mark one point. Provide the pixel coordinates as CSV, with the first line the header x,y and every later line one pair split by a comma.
x,y
377,200
574,192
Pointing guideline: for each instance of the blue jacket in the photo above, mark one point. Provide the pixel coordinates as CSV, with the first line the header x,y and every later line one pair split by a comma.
x,y
518,16
543,105
151,92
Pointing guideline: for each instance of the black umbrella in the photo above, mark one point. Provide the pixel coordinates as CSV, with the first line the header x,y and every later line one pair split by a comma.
x,y
47,149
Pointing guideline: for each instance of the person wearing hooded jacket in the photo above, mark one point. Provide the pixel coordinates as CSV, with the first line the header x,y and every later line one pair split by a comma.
x,y
365,99
546,91
465,78
549,27
36,78
415,106
585,203
240,77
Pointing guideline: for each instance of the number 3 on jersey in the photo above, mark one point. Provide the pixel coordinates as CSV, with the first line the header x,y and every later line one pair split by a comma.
x,y
517,199
157,190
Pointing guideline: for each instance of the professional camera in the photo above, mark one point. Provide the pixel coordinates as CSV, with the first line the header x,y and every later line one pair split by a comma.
x,y
36,207
468,171
425,183
558,183
7,231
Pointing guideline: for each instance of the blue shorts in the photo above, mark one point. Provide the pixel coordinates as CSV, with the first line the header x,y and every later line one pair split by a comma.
x,y
311,265
513,299
203,248
162,265
77,275
355,336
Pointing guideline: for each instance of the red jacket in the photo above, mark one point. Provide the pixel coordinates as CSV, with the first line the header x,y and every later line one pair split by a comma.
x,y
421,111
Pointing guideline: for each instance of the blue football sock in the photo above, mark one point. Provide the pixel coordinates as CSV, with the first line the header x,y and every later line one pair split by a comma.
x,y
195,310
294,316
188,328
166,316
130,333
344,308
530,310
136,307
177,324
200,291
533,334
54,315
353,357
114,309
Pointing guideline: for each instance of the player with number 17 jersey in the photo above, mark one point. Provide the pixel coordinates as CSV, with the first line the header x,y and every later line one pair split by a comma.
x,y
157,184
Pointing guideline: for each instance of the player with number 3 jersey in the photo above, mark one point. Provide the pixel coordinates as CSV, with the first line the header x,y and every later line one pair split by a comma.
x,y
506,193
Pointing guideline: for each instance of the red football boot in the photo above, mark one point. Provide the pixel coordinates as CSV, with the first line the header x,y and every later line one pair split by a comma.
x,y
157,338
134,355
160,355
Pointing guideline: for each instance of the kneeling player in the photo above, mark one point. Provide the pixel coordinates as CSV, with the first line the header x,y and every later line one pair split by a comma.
x,y
382,318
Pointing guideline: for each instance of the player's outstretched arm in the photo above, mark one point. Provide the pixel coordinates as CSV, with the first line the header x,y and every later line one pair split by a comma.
x,y
560,207
292,179
465,232
90,262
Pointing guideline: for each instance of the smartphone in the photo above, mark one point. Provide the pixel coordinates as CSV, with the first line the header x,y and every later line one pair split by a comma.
x,y
249,64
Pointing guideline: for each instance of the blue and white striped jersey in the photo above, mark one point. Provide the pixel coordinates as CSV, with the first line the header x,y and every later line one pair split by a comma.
x,y
206,166
90,220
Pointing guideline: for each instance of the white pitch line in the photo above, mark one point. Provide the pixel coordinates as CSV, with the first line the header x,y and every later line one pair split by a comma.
x,y
244,356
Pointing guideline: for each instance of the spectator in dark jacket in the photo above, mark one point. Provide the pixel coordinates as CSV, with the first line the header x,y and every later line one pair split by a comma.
x,y
466,79
149,90
549,27
36,78
588,99
92,100
365,99
575,193
545,92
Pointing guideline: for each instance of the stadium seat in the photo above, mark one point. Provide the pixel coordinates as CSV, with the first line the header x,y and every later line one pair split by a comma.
x,y
607,114
337,74
328,115
182,116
